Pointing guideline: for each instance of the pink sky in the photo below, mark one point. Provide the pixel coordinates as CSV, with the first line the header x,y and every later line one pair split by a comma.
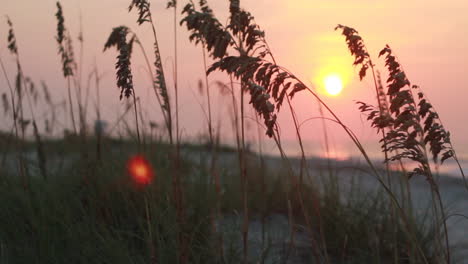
x,y
427,36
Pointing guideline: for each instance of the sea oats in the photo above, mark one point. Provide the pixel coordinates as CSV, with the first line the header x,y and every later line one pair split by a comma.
x,y
11,38
357,49
250,66
65,43
118,39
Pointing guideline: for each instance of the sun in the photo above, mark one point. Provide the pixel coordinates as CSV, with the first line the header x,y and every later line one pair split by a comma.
x,y
333,84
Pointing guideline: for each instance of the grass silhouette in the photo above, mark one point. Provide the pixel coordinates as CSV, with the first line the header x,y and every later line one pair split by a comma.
x,y
207,202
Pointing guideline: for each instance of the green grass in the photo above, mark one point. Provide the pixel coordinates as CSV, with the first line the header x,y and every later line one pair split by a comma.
x,y
92,212
99,218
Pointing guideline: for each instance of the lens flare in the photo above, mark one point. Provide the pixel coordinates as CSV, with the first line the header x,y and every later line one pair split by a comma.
x,y
140,170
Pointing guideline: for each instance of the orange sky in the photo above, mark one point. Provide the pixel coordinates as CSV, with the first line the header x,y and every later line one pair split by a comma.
x,y
428,37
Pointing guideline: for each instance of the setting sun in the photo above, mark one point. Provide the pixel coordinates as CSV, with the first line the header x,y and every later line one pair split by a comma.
x,y
333,84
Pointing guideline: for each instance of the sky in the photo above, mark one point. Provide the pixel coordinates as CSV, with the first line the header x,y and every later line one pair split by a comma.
x,y
428,38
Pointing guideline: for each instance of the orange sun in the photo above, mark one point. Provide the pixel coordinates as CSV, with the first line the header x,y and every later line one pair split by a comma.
x,y
140,170
333,85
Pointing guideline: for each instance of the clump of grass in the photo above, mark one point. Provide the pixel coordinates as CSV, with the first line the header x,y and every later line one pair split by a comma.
x,y
161,90
171,221
254,65
67,57
12,46
414,128
412,118
100,222
72,69
118,39
64,43
159,81
206,28
21,90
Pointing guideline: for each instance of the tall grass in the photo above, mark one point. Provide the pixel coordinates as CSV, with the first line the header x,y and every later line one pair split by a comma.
x,y
181,215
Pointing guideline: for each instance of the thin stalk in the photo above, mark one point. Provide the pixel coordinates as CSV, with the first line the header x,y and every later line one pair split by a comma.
x,y
437,202
277,139
300,183
39,147
176,88
70,103
15,120
183,257
460,168
7,149
214,175
153,82
98,113
245,225
387,167
21,160
12,95
302,167
136,119
325,136
153,258
143,126
292,230
80,82
22,163
433,184
263,183
169,112
210,121
235,112
369,162
86,99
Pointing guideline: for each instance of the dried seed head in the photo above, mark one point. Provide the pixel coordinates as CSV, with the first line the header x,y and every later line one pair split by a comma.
x,y
118,39
60,24
19,83
6,104
11,38
46,92
144,13
415,125
357,49
200,87
65,44
205,28
259,99
171,4
267,83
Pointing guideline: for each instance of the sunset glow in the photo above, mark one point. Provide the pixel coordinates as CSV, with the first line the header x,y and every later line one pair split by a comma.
x,y
333,85
184,131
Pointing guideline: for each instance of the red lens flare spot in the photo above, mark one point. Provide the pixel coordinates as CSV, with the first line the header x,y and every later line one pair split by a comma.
x,y
140,169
